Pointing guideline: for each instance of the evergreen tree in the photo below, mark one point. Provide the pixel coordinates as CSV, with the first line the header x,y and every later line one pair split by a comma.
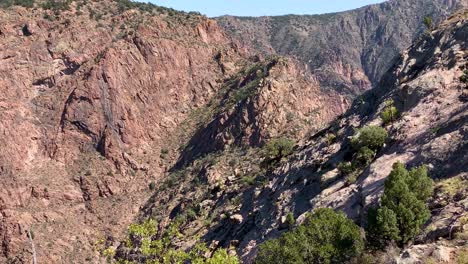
x,y
325,237
403,207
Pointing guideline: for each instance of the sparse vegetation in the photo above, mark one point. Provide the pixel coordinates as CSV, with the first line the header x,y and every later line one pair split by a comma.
x,y
452,186
325,237
462,256
248,180
464,77
124,5
427,21
160,247
164,153
56,5
23,3
331,138
389,113
403,209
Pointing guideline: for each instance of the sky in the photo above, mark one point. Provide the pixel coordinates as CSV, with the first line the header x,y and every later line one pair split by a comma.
x,y
213,8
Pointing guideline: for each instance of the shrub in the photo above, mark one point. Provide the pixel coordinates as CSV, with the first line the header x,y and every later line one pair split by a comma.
x,y
248,180
277,149
403,209
372,137
325,237
352,178
191,214
363,157
389,113
345,168
221,256
464,77
290,221
164,153
462,256
427,21
145,229
331,138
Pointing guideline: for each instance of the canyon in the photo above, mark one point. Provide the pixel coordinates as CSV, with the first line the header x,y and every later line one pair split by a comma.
x,y
114,112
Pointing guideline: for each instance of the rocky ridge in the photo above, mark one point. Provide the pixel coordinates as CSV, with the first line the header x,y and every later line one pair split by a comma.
x,y
347,51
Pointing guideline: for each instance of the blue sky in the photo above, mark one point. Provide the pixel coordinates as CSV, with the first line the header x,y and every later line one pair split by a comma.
x,y
213,8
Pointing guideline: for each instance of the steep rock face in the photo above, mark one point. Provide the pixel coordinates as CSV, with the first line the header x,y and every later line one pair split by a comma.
x,y
240,203
87,97
97,97
270,99
347,51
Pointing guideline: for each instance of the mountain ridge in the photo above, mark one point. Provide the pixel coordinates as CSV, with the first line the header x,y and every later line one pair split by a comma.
x,y
344,50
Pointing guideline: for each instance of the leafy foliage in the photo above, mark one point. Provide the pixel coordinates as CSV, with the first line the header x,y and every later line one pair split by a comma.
x,y
389,113
365,143
325,237
372,137
277,149
159,247
363,157
346,168
290,221
427,21
464,77
403,208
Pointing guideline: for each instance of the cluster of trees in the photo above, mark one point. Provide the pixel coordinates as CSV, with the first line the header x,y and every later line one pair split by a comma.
x,y
330,237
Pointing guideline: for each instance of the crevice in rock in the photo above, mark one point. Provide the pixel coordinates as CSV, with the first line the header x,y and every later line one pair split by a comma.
x,y
140,47
81,126
72,67
47,81
64,111
26,31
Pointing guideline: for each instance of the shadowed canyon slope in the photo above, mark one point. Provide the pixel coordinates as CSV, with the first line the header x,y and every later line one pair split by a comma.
x,y
113,112
93,92
347,51
241,204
